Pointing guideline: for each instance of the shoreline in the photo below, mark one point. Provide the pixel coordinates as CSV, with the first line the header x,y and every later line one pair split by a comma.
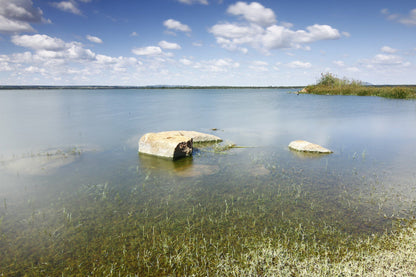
x,y
92,87
146,87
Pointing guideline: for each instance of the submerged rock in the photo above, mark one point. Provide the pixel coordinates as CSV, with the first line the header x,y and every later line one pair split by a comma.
x,y
39,165
305,146
258,171
42,163
197,170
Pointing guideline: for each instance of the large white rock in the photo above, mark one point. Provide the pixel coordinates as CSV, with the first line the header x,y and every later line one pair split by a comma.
x,y
172,144
305,146
196,136
164,145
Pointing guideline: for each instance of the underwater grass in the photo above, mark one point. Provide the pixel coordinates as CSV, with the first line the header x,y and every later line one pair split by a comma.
x,y
232,223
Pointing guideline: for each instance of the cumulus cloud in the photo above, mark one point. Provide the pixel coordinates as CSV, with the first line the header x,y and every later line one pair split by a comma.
x,y
261,32
94,39
216,65
39,42
147,51
388,49
185,61
384,59
260,66
299,64
409,19
169,45
190,2
67,6
253,12
17,15
175,25
56,60
47,47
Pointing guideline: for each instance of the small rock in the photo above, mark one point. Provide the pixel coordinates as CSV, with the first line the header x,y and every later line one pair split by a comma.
x,y
305,146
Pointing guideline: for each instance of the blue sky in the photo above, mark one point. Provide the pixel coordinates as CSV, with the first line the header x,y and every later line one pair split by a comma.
x,y
205,42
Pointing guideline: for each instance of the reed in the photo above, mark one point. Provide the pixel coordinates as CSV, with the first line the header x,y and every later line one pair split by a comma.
x,y
329,84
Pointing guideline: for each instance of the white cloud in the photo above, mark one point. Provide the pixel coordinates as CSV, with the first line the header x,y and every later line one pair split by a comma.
x,y
76,52
253,32
353,69
260,66
47,47
176,25
134,34
169,45
383,59
299,64
185,61
346,34
321,32
94,39
147,51
190,2
17,15
339,63
34,69
57,62
197,44
67,6
217,65
260,63
39,42
254,13
388,50
385,11
409,19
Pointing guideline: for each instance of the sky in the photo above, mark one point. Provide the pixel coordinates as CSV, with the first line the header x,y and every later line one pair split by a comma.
x,y
206,42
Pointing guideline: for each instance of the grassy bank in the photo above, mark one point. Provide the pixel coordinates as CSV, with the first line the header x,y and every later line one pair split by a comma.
x,y
331,85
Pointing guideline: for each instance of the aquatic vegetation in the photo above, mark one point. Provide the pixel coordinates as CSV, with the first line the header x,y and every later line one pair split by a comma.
x,y
331,85
218,147
228,223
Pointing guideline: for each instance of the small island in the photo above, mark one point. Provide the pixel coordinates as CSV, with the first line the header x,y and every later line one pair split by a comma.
x,y
329,84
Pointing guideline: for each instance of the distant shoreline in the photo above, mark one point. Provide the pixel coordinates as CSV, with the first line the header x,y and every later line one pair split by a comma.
x,y
35,87
146,87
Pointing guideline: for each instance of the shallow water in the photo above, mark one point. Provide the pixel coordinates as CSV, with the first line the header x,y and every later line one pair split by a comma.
x,y
73,185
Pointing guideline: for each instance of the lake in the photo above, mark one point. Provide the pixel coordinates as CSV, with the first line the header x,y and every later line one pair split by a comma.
x,y
77,197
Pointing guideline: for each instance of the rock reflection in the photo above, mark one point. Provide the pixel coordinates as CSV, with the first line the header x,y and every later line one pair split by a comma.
x,y
182,168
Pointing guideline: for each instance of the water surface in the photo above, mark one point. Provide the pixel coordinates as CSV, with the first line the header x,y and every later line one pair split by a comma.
x,y
75,190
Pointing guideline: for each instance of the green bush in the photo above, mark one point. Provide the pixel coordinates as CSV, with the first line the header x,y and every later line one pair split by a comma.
x,y
330,84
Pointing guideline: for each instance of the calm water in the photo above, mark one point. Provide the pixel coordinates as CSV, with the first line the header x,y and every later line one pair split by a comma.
x,y
71,180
